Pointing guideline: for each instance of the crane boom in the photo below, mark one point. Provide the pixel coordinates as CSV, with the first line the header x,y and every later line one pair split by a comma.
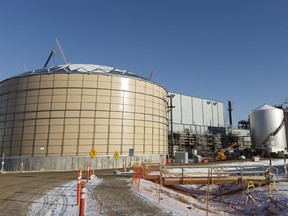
x,y
50,56
220,154
61,51
228,147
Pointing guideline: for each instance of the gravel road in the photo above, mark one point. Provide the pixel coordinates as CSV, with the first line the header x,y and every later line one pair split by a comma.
x,y
115,193
19,190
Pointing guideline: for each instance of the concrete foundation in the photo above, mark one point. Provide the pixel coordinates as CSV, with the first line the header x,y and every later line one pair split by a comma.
x,y
69,163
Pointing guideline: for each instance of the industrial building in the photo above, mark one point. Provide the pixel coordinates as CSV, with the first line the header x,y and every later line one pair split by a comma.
x,y
196,114
66,110
196,124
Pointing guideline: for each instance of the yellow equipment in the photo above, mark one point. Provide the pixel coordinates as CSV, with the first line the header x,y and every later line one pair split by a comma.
x,y
220,156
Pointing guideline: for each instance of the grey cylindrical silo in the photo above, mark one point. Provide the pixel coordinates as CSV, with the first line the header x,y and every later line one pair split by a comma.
x,y
268,129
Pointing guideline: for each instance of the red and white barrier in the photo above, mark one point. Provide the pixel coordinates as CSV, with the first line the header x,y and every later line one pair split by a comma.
x,y
82,199
79,182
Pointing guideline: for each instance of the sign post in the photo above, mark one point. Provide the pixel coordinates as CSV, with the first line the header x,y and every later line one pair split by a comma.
x,y
131,154
92,154
116,156
2,164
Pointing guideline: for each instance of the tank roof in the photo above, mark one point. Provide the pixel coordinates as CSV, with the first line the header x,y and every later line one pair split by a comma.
x,y
82,68
266,107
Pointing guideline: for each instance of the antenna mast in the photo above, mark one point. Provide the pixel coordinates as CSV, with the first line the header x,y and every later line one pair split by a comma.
x,y
61,51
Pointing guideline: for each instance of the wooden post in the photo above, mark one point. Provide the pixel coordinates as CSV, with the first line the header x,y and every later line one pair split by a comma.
x,y
101,206
182,175
207,193
160,181
285,167
90,171
87,173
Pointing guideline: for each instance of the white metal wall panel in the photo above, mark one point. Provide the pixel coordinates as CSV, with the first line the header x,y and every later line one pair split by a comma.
x,y
215,118
196,114
193,129
200,129
221,115
207,109
177,116
197,111
186,109
178,128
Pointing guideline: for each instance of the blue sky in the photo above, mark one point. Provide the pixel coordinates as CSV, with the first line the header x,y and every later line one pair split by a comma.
x,y
216,49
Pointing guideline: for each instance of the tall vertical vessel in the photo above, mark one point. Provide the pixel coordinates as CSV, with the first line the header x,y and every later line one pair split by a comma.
x,y
267,125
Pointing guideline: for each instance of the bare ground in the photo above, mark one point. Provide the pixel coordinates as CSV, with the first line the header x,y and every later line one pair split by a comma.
x,y
19,190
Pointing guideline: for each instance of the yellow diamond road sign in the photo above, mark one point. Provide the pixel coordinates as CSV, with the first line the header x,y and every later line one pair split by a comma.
x,y
93,153
116,155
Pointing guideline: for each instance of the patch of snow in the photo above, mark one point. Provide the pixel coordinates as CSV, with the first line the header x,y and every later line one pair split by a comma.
x,y
62,200
173,202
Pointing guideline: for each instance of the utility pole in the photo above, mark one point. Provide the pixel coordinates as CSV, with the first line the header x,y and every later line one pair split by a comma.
x,y
170,109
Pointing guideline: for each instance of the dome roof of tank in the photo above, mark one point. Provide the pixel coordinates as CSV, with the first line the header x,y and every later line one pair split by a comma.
x,y
82,68
266,107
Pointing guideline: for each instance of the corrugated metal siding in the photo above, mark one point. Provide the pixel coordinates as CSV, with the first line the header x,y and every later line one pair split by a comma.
x,y
196,114
186,109
207,112
177,115
221,118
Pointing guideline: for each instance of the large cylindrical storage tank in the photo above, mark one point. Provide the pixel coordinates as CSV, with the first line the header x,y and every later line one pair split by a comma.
x,y
67,109
268,128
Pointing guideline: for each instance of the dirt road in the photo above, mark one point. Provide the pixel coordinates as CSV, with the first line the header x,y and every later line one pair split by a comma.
x,y
19,190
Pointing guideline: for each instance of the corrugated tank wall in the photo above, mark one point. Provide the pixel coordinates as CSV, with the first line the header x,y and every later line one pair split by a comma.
x,y
55,114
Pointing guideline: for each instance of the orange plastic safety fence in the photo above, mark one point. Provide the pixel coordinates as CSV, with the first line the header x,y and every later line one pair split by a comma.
x,y
137,174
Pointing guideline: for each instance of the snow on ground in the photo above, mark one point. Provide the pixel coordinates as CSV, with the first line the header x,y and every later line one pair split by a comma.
x,y
62,200
173,202
237,201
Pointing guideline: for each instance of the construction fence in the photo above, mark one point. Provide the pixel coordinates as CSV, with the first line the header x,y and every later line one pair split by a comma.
x,y
239,190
